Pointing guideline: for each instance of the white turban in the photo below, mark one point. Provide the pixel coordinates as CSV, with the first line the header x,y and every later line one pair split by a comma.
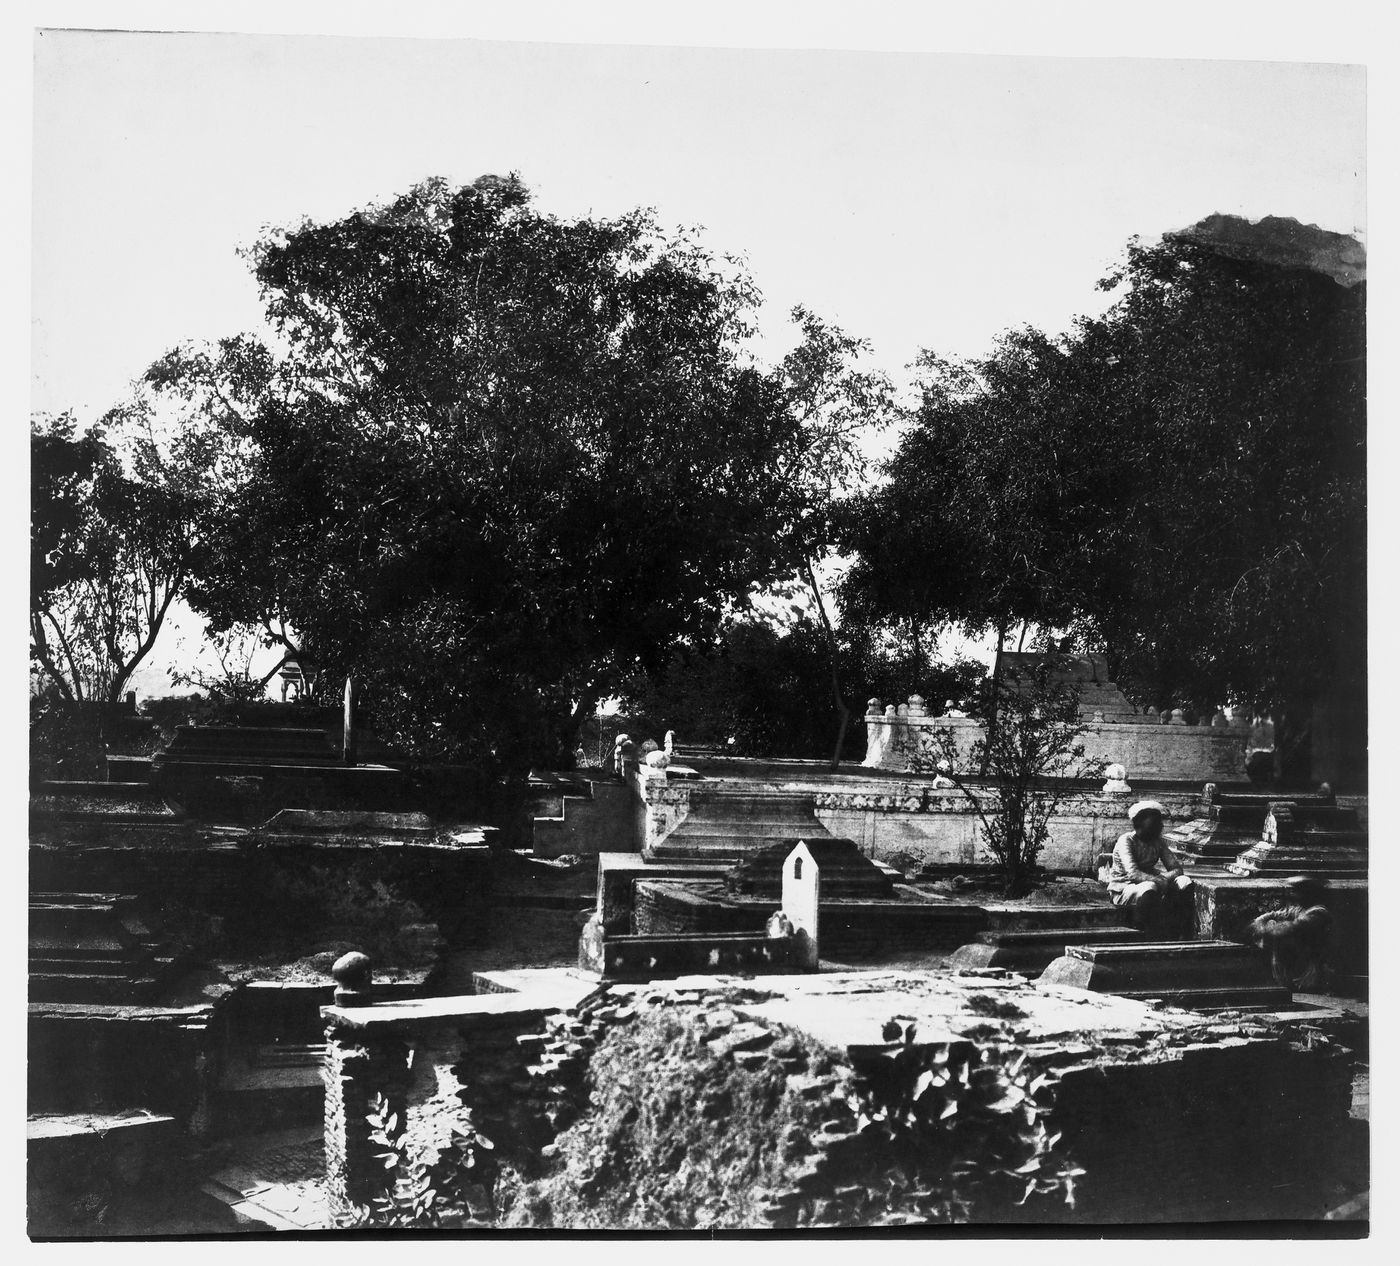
x,y
1142,806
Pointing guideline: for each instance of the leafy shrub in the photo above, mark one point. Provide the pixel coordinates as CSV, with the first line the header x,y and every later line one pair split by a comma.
x,y
1031,751
435,1177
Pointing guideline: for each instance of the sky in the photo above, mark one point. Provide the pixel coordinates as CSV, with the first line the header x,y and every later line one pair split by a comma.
x,y
918,200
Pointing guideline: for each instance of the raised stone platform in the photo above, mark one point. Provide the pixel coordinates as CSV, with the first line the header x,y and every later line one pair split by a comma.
x,y
1189,974
229,772
847,874
1227,904
908,922
110,803
726,823
1151,747
1302,839
346,828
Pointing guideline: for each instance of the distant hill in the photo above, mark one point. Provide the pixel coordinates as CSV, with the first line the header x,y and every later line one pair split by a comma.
x,y
1280,240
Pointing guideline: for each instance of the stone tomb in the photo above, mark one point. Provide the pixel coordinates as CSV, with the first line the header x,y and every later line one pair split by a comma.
x,y
242,773
1196,975
1233,821
726,823
1240,1121
1307,839
787,941
1031,952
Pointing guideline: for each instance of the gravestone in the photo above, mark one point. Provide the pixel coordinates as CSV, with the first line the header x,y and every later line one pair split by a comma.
x,y
847,874
347,745
801,903
1307,839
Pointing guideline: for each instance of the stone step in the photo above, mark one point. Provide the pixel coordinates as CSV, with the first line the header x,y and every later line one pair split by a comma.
x,y
95,988
118,965
1254,998
752,829
1154,967
1031,952
1299,858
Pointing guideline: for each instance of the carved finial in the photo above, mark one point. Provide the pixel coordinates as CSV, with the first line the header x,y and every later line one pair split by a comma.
x,y
354,979
1117,780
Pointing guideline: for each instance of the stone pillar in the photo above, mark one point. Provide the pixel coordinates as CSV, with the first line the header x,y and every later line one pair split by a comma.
x,y
801,895
357,1068
350,708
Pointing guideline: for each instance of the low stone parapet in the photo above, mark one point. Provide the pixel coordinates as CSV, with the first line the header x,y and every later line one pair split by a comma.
x,y
907,737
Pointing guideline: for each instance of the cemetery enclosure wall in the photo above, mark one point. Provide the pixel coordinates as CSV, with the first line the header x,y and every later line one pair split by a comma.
x,y
1191,753
943,827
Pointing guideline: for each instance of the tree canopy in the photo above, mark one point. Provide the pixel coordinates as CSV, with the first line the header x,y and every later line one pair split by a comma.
x,y
109,550
492,461
1180,482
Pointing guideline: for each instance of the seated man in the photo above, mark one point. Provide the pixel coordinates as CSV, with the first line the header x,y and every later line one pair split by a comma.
x,y
1297,934
1146,875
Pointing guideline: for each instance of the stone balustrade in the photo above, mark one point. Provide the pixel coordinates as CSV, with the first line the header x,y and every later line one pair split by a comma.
x,y
907,736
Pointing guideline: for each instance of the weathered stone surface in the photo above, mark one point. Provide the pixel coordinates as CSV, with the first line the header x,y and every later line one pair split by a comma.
x,y
1184,973
94,947
846,872
1308,839
727,822
1029,953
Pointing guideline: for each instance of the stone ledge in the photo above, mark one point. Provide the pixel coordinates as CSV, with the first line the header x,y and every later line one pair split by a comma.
x,y
469,1011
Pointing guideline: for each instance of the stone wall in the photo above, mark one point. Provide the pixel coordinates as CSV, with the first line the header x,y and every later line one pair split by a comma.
x,y
942,826
939,825
901,738
1163,1116
603,822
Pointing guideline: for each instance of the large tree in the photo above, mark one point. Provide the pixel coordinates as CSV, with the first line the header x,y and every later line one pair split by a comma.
x,y
1182,481
492,462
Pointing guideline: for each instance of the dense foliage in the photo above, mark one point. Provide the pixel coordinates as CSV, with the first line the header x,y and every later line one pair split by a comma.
x,y
1181,482
496,463
765,691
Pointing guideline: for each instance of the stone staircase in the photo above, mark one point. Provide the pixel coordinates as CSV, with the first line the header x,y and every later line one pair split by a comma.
x,y
93,947
727,825
574,813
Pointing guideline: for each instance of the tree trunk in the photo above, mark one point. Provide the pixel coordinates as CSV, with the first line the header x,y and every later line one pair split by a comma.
x,y
993,705
842,711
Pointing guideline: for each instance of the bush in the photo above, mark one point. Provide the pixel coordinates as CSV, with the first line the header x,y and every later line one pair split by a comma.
x,y
1030,751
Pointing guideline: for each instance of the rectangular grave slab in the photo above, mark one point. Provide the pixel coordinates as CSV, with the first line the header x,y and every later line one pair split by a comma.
x,y
1030,953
